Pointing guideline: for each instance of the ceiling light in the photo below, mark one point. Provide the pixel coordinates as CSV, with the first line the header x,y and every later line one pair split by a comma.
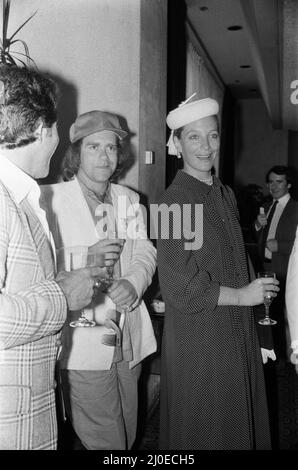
x,y
234,28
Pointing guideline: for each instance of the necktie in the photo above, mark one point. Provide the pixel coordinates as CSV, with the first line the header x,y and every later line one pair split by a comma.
x,y
265,230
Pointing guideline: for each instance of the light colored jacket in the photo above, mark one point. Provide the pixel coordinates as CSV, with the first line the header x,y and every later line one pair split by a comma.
x,y
292,293
32,311
72,224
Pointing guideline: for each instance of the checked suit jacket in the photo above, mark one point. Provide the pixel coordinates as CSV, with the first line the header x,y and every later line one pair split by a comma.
x,y
32,313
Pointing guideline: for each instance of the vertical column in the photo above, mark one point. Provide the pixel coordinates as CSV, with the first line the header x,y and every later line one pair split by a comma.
x,y
153,89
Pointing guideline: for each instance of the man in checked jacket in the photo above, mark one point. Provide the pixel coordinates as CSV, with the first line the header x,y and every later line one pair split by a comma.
x,y
33,303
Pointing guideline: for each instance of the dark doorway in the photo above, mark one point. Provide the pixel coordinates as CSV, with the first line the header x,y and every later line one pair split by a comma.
x,y
176,70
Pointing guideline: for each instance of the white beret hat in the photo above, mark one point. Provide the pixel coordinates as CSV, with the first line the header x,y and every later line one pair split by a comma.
x,y
186,113
189,112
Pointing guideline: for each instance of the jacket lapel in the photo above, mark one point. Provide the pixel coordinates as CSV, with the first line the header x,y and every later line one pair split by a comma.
x,y
38,238
125,202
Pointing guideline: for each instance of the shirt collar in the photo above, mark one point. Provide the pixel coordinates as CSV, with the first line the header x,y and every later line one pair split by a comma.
x,y
106,197
283,200
191,182
19,183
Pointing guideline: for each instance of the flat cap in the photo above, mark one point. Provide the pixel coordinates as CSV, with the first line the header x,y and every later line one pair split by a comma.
x,y
95,121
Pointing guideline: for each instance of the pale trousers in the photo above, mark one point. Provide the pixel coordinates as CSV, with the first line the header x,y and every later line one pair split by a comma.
x,y
103,405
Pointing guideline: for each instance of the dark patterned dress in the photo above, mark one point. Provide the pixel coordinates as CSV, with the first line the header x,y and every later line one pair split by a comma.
x,y
212,384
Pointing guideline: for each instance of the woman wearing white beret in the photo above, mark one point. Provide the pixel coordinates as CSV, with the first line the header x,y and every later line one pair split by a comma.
x,y
212,384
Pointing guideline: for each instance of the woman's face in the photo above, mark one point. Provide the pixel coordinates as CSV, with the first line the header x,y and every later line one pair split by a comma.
x,y
199,145
98,156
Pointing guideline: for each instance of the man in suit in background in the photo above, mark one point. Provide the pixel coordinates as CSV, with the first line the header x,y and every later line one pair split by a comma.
x,y
33,304
275,229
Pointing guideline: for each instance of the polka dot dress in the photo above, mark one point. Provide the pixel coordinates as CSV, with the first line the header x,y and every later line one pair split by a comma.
x,y
212,384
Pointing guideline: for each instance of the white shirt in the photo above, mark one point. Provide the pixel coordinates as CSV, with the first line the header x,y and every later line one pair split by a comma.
x,y
22,186
282,202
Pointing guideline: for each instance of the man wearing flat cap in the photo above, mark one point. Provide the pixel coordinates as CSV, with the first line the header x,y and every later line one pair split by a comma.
x,y
100,377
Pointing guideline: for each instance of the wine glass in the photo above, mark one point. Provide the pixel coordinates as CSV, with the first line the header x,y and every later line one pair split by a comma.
x,y
76,257
267,300
83,259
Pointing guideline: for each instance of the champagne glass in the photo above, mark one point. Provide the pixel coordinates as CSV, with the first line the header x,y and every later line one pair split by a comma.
x,y
267,300
82,259
76,257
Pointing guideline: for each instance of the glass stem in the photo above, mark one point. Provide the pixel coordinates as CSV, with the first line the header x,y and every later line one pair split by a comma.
x,y
266,311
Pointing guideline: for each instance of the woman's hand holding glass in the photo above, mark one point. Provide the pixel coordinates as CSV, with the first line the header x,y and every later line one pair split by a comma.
x,y
255,292
268,297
